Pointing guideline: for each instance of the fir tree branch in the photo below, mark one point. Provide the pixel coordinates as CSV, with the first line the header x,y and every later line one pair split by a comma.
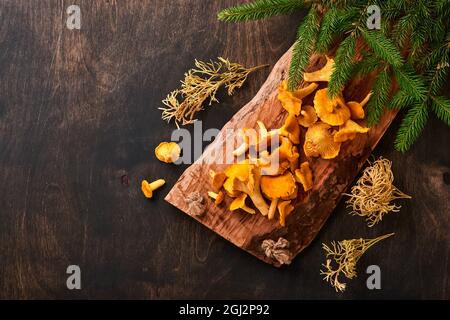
x,y
260,9
410,82
343,66
327,29
303,48
411,126
381,92
383,47
368,63
441,107
400,100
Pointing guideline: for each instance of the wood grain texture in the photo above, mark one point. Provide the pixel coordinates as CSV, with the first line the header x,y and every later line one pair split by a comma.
x,y
78,126
331,177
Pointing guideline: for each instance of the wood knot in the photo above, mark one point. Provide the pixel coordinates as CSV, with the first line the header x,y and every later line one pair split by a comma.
x,y
446,177
196,204
278,251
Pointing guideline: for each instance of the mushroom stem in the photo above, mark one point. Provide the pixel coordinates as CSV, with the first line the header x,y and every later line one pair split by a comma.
x,y
157,184
212,194
241,149
366,99
273,208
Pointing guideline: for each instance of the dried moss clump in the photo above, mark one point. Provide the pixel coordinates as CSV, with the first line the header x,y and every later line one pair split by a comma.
x,y
372,195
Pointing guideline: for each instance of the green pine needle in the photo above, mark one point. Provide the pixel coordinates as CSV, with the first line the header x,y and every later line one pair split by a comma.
x,y
259,9
411,127
381,92
383,47
327,29
400,100
343,66
303,48
441,107
410,82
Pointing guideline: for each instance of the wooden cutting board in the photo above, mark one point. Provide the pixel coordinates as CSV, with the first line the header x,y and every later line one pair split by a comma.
x,y
331,177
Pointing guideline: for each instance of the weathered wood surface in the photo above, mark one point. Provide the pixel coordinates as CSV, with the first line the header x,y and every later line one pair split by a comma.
x,y
331,177
78,125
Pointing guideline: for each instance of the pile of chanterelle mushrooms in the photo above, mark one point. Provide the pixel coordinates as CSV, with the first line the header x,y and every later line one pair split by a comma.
x,y
272,188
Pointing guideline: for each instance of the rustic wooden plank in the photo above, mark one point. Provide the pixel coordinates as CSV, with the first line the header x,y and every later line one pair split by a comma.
x,y
332,177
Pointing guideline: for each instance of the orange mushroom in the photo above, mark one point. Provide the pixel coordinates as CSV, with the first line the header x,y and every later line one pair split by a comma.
x,y
357,108
331,111
348,131
319,142
304,176
307,116
323,74
168,152
276,188
284,209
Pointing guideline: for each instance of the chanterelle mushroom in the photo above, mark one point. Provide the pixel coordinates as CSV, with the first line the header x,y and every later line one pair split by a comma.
x,y
307,116
247,182
348,131
168,152
284,209
357,108
304,176
291,129
331,111
283,157
289,102
292,100
323,74
278,187
239,203
217,179
319,142
218,197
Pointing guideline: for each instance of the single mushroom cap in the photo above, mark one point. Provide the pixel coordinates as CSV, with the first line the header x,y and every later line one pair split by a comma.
x,y
239,203
284,209
323,74
302,93
319,142
357,108
348,131
331,111
278,187
217,179
291,129
307,116
282,186
168,152
289,102
304,176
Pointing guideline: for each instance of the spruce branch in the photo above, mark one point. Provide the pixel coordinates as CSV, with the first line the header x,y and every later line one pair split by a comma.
x,y
411,82
383,47
260,9
441,107
381,92
411,126
303,48
327,29
400,100
343,66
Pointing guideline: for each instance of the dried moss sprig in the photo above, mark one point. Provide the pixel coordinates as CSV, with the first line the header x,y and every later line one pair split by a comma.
x,y
345,255
200,84
372,195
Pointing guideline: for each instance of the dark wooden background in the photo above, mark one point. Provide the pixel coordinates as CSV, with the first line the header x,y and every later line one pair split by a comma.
x,y
78,126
